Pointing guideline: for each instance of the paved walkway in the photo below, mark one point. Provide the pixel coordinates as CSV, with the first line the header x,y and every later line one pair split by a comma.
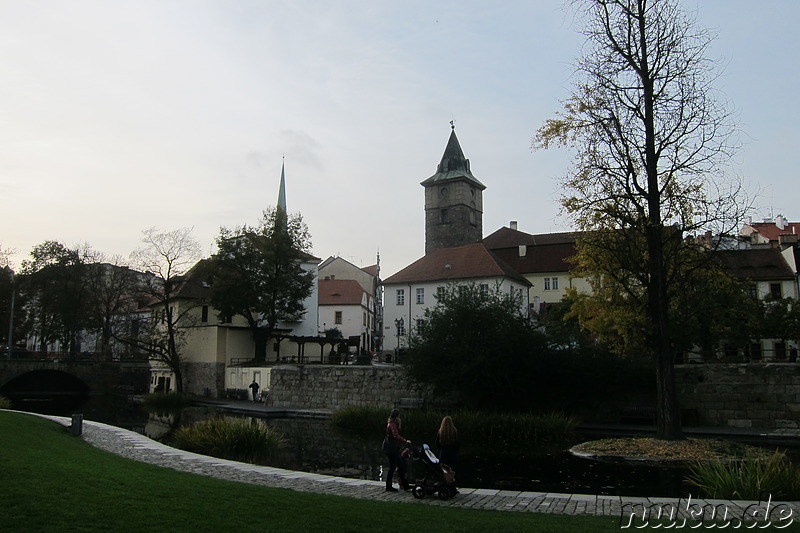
x,y
140,448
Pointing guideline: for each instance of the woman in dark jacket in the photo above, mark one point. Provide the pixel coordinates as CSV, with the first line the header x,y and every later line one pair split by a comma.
x,y
448,443
391,447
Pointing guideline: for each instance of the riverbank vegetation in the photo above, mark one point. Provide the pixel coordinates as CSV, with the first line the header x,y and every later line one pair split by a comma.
x,y
166,401
748,477
480,429
237,439
98,492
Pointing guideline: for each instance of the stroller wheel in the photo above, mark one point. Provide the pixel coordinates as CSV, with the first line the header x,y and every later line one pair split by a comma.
x,y
418,492
444,493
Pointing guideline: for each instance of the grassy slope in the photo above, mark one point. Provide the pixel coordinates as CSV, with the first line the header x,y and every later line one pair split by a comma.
x,y
52,481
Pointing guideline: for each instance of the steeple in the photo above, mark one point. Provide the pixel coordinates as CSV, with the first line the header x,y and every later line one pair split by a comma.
x,y
453,201
281,215
282,190
453,164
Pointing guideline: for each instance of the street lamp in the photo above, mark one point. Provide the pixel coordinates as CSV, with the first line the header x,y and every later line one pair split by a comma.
x,y
399,322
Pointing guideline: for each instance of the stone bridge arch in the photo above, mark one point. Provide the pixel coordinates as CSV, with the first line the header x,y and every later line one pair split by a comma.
x,y
48,378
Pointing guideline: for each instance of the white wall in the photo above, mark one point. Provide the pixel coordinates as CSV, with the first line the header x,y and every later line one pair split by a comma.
x,y
411,311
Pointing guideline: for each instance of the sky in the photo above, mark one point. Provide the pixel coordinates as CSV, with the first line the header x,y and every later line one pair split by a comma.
x,y
118,116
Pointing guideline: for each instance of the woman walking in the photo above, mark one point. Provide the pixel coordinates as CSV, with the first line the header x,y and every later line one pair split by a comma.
x,y
391,447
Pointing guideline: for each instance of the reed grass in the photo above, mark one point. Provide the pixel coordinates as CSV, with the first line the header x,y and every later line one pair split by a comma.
x,y
478,428
237,439
749,478
166,401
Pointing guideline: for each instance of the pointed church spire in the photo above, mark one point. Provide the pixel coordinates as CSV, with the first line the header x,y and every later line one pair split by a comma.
x,y
282,190
281,214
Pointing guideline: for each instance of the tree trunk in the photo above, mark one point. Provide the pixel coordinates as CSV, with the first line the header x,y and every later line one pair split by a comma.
x,y
261,339
668,424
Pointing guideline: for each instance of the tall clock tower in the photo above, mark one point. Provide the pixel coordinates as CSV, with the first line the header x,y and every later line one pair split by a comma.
x,y
453,201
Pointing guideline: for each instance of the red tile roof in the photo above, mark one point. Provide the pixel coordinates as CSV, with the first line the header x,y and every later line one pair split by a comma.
x,y
756,264
462,262
339,292
771,231
549,252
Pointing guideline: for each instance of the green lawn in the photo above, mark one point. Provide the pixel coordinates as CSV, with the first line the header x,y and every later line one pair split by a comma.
x,y
52,481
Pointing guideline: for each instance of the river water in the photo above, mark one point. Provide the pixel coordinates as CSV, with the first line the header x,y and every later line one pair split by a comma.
x,y
313,445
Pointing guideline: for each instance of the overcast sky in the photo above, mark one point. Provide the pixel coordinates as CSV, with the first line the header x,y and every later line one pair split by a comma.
x,y
116,116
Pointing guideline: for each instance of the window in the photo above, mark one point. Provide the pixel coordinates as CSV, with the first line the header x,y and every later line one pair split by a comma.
x,y
775,291
337,317
204,314
555,284
439,292
364,321
420,323
401,296
444,216
780,351
752,291
753,351
547,284
484,287
421,296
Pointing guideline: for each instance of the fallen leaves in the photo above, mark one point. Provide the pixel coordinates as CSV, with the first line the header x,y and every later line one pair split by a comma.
x,y
652,449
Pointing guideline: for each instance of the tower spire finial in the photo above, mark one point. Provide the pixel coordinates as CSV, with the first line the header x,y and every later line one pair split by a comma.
x,y
282,189
453,125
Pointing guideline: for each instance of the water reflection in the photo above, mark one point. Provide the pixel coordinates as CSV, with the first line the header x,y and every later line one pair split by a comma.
x,y
313,445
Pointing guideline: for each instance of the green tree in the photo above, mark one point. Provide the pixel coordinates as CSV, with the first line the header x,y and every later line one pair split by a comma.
x,y
257,273
165,258
477,346
54,280
10,296
650,141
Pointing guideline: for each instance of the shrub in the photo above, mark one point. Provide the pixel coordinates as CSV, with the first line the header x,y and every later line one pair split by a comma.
x,y
237,439
748,478
169,401
5,403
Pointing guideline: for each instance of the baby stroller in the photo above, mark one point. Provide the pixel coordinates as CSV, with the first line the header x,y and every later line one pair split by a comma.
x,y
437,478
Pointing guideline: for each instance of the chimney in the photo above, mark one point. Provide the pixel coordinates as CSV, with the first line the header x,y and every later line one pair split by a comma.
x,y
780,222
513,225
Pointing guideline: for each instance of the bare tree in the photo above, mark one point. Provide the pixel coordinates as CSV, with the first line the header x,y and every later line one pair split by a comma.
x,y
651,142
166,257
113,289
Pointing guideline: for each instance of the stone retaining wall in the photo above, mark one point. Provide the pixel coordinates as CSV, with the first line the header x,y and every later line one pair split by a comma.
x,y
336,386
755,395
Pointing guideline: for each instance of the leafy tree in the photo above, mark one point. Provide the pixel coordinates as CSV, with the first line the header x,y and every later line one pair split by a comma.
x,y
166,258
781,319
257,274
54,280
650,142
477,346
9,282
